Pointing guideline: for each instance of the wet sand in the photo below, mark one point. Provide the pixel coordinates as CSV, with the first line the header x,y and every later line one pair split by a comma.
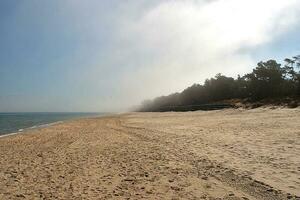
x,y
229,154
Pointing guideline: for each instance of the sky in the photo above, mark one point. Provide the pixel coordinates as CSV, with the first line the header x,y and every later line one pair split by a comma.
x,y
100,55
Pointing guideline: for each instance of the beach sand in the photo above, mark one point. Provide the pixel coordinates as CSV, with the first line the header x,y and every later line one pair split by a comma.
x,y
228,154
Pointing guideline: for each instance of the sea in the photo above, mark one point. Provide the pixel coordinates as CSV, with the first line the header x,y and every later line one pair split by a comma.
x,y
18,122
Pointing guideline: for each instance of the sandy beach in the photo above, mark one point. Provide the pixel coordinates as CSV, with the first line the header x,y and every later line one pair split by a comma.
x,y
228,154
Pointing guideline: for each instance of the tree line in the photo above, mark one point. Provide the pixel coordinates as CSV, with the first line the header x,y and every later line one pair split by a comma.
x,y
268,79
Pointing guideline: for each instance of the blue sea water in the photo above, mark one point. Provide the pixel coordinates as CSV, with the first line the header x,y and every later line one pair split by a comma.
x,y
17,122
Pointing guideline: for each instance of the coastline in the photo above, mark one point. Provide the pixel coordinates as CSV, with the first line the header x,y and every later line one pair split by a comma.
x,y
39,126
24,130
227,154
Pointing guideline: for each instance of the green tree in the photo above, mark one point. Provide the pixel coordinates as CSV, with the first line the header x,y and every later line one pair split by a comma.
x,y
265,80
290,64
220,87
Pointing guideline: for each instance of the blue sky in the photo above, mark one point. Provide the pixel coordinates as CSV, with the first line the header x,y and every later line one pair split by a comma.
x,y
101,55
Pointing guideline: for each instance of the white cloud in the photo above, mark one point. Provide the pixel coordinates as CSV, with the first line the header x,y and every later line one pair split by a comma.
x,y
179,42
117,53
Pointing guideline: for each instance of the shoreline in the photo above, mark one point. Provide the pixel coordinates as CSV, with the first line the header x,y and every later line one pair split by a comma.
x,y
24,130
34,127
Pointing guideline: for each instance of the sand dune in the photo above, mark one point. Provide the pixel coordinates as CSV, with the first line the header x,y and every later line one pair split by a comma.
x,y
230,154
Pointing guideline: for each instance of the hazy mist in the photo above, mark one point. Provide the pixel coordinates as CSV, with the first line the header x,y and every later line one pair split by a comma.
x,y
111,55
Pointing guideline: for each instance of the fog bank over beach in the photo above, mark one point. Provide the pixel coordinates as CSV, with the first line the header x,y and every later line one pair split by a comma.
x,y
99,56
